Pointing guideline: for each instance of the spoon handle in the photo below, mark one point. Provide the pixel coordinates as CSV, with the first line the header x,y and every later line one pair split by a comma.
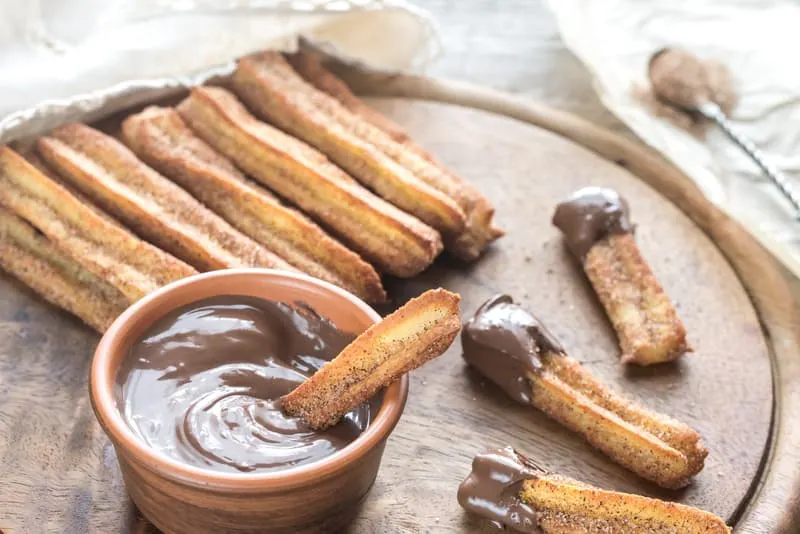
x,y
713,112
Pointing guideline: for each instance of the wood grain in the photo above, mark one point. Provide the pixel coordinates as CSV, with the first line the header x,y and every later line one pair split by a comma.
x,y
62,476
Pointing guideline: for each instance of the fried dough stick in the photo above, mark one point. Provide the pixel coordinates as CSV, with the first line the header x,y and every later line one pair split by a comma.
x,y
417,332
390,239
83,233
597,230
107,172
29,256
161,138
377,129
276,93
509,488
508,345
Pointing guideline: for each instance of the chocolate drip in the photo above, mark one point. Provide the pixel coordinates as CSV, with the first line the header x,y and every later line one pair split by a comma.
x,y
504,342
203,384
589,215
492,489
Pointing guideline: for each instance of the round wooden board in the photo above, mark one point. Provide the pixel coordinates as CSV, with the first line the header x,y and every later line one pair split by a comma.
x,y
59,473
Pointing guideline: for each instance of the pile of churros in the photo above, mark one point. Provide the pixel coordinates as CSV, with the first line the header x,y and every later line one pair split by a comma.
x,y
284,168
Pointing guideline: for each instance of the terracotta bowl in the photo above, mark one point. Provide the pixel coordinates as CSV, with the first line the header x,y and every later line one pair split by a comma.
x,y
178,498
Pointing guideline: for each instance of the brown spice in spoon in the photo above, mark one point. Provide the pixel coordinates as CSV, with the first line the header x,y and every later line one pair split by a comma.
x,y
680,82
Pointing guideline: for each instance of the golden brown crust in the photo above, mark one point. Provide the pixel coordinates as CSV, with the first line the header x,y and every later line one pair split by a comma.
x,y
79,231
161,138
651,445
276,93
351,113
392,240
646,322
563,505
111,175
29,256
417,332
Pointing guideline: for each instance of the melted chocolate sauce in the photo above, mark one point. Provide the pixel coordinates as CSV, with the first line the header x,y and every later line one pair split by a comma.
x,y
589,215
202,385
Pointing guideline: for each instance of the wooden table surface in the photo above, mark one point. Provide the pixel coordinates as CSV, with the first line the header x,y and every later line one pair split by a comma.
x,y
514,46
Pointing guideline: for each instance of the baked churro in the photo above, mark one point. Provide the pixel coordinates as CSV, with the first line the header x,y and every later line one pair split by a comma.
x,y
417,332
276,93
508,345
29,256
83,233
512,491
391,239
110,174
161,138
378,130
597,230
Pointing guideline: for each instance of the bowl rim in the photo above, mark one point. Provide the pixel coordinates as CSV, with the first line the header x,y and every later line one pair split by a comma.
x,y
102,381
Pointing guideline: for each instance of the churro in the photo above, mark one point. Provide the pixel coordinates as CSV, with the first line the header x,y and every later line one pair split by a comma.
x,y
597,230
28,255
110,174
512,348
377,129
389,238
161,138
417,332
276,93
513,491
83,233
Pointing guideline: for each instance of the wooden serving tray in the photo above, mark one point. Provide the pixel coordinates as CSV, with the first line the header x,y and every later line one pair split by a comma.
x,y
59,472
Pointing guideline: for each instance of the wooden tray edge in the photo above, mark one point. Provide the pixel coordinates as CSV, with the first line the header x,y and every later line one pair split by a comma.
x,y
773,506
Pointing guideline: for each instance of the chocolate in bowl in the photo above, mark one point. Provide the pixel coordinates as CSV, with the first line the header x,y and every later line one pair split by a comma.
x,y
178,497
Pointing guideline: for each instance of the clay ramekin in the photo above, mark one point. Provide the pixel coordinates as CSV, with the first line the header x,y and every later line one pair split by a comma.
x,y
179,498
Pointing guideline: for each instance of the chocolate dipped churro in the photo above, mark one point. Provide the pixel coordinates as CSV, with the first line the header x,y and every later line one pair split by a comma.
x,y
417,332
390,138
387,237
276,93
106,171
512,491
598,232
28,255
511,347
161,138
83,233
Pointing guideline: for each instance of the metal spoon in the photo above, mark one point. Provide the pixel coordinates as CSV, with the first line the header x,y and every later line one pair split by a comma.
x,y
680,79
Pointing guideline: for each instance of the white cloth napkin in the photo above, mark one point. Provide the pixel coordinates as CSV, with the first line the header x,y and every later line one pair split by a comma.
x,y
758,40
55,50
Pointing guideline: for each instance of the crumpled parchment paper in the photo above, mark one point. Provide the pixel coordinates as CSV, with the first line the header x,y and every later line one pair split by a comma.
x,y
758,40
68,59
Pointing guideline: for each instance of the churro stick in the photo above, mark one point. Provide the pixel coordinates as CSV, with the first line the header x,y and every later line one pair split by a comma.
x,y
107,172
276,93
417,332
512,348
83,233
29,256
506,487
597,230
377,129
389,238
161,138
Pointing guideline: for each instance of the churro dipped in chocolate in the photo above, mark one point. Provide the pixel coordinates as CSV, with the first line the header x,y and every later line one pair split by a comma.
x,y
276,93
161,138
510,347
355,117
513,492
83,233
596,227
28,255
106,171
387,237
417,332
